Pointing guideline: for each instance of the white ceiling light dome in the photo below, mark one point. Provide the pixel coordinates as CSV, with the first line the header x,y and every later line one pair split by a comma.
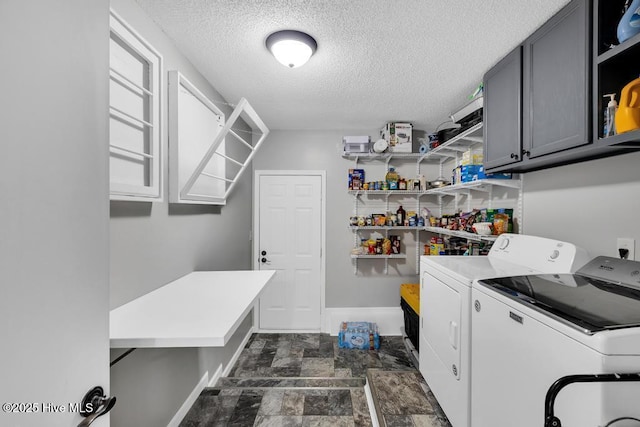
x,y
291,48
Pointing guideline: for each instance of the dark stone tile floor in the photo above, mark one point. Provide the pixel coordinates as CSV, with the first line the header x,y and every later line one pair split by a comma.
x,y
306,380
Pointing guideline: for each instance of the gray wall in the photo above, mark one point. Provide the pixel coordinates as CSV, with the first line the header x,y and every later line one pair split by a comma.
x,y
54,287
152,384
320,150
590,203
155,243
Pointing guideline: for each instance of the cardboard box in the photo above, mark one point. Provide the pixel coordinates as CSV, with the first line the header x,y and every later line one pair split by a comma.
x,y
471,158
356,179
399,136
483,175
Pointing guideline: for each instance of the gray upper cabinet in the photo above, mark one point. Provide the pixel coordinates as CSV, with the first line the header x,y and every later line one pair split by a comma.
x,y
556,82
503,111
547,121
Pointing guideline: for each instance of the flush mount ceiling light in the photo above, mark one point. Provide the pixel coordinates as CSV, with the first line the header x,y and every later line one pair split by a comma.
x,y
291,48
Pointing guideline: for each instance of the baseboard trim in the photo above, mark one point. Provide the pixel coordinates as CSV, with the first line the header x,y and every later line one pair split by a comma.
x,y
234,358
221,371
373,409
184,409
390,320
288,331
214,379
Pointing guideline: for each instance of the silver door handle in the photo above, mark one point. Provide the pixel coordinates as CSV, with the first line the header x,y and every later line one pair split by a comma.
x,y
95,404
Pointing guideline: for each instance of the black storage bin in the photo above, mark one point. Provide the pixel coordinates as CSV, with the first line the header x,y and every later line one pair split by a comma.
x,y
411,323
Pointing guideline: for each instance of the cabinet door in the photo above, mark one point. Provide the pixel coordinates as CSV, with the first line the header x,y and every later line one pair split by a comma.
x,y
503,111
556,83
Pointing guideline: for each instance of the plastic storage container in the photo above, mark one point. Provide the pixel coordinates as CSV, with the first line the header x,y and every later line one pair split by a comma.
x,y
410,304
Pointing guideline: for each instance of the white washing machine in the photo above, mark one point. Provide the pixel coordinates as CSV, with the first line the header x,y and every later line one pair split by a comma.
x,y
529,331
445,309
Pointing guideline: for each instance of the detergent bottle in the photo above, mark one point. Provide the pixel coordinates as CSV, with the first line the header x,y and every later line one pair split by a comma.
x,y
629,25
628,114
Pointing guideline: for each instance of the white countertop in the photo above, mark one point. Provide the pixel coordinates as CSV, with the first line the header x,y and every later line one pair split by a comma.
x,y
201,309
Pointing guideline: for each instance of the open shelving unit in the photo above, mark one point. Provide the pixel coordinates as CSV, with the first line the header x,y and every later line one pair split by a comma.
x,y
614,65
462,193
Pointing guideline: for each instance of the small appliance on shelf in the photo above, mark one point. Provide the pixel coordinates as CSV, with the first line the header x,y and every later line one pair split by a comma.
x,y
356,144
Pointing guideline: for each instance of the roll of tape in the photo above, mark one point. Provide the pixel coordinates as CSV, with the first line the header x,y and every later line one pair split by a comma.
x,y
423,149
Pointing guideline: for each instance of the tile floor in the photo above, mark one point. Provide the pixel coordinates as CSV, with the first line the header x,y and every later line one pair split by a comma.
x,y
306,380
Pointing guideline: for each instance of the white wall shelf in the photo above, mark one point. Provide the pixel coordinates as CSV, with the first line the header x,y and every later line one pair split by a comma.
x,y
379,227
479,185
457,144
366,256
386,192
463,234
437,230
201,309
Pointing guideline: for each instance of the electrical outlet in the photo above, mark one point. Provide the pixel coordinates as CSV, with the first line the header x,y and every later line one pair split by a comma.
x,y
629,244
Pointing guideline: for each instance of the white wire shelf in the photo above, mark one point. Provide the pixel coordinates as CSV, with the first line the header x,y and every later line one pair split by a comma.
x,y
387,192
437,230
457,144
385,227
463,234
478,185
366,256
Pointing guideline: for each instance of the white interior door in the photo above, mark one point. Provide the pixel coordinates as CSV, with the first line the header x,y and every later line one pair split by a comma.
x,y
290,242
54,210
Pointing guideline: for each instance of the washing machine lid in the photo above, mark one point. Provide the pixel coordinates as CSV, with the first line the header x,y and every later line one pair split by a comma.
x,y
585,303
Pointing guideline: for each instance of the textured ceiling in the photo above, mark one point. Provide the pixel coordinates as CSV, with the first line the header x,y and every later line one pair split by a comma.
x,y
377,60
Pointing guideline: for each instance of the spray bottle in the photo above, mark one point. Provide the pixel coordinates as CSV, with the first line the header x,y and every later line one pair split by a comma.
x,y
609,128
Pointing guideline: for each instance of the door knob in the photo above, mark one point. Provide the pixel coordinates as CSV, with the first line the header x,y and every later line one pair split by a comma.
x,y
514,156
95,404
263,253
